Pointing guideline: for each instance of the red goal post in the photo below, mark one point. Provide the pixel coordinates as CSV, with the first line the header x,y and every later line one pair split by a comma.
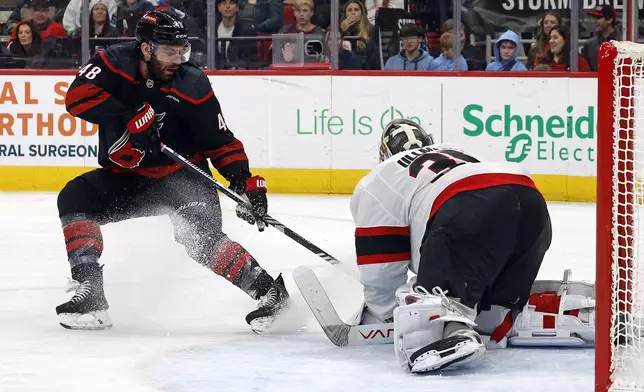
x,y
619,355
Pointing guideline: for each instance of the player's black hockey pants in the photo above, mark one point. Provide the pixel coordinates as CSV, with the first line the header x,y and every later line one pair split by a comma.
x,y
486,246
102,196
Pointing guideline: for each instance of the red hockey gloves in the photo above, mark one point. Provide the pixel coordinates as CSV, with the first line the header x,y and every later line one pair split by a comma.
x,y
145,130
140,139
254,190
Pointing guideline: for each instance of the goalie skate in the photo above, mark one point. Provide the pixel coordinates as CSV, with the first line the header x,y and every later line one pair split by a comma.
x,y
433,332
462,347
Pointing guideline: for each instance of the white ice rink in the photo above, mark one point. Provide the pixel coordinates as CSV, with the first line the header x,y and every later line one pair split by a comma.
x,y
180,328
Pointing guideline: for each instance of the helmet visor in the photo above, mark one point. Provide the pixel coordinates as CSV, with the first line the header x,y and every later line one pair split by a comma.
x,y
174,54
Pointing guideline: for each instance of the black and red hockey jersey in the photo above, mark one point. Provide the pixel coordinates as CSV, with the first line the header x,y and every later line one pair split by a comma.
x,y
189,115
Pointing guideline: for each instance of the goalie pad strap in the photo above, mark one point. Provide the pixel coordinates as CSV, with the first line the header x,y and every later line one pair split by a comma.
x,y
503,329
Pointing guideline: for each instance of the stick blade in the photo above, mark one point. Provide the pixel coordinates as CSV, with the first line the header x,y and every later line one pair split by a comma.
x,y
309,285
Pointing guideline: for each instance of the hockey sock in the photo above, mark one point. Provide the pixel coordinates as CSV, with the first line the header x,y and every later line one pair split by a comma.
x,y
231,261
83,239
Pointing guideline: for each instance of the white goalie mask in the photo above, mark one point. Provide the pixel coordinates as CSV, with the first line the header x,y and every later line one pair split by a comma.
x,y
402,135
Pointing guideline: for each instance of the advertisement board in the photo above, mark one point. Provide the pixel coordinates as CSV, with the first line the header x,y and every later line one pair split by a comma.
x,y
546,125
36,130
328,126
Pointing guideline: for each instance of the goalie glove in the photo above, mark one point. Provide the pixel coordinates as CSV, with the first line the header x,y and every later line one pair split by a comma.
x,y
254,192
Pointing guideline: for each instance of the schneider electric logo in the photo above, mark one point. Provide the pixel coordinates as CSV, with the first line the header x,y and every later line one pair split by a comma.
x,y
555,138
355,122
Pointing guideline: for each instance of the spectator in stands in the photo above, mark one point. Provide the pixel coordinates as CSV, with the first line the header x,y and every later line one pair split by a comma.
x,y
27,42
72,17
98,21
474,56
445,62
303,11
412,57
604,31
128,15
550,20
346,58
31,46
373,5
506,50
558,58
261,16
355,24
231,54
39,13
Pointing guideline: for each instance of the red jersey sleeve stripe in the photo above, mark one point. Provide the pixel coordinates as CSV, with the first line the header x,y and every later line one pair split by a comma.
x,y
384,258
225,149
187,98
231,159
90,103
381,230
84,91
114,69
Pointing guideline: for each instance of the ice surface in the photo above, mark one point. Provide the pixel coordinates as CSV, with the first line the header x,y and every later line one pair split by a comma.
x,y
178,327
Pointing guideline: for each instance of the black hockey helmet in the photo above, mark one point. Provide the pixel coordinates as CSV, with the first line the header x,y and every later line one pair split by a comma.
x,y
402,135
159,27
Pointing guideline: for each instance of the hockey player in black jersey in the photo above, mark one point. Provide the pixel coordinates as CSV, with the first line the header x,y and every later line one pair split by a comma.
x,y
141,94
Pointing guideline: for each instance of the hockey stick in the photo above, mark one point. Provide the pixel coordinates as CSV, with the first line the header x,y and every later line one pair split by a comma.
x,y
339,333
235,197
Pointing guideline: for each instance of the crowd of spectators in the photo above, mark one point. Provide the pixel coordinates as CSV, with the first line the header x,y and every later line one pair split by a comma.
x,y
47,34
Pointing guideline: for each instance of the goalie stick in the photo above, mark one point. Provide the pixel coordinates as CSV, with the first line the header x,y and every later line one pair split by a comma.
x,y
339,333
238,199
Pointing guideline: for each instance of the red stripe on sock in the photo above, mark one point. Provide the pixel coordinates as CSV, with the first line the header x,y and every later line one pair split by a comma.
x,y
223,256
238,265
82,227
85,242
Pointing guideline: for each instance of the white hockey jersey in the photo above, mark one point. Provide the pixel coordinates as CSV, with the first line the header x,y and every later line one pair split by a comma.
x,y
391,207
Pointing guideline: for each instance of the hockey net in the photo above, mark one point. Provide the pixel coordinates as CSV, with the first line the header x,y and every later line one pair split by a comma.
x,y
620,218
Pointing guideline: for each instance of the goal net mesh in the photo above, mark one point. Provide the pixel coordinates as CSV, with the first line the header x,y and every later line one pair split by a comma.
x,y
627,356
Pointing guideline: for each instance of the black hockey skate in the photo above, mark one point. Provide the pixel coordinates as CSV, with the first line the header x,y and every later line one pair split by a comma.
x,y
87,309
275,301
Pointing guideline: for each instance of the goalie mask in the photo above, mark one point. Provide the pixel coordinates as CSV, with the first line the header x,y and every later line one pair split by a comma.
x,y
402,135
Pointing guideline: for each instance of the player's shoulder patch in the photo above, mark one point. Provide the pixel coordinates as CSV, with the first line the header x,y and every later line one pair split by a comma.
x,y
191,84
122,59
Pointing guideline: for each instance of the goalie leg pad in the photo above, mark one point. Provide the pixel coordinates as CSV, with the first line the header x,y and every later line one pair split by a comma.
x,y
558,313
432,332
552,320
